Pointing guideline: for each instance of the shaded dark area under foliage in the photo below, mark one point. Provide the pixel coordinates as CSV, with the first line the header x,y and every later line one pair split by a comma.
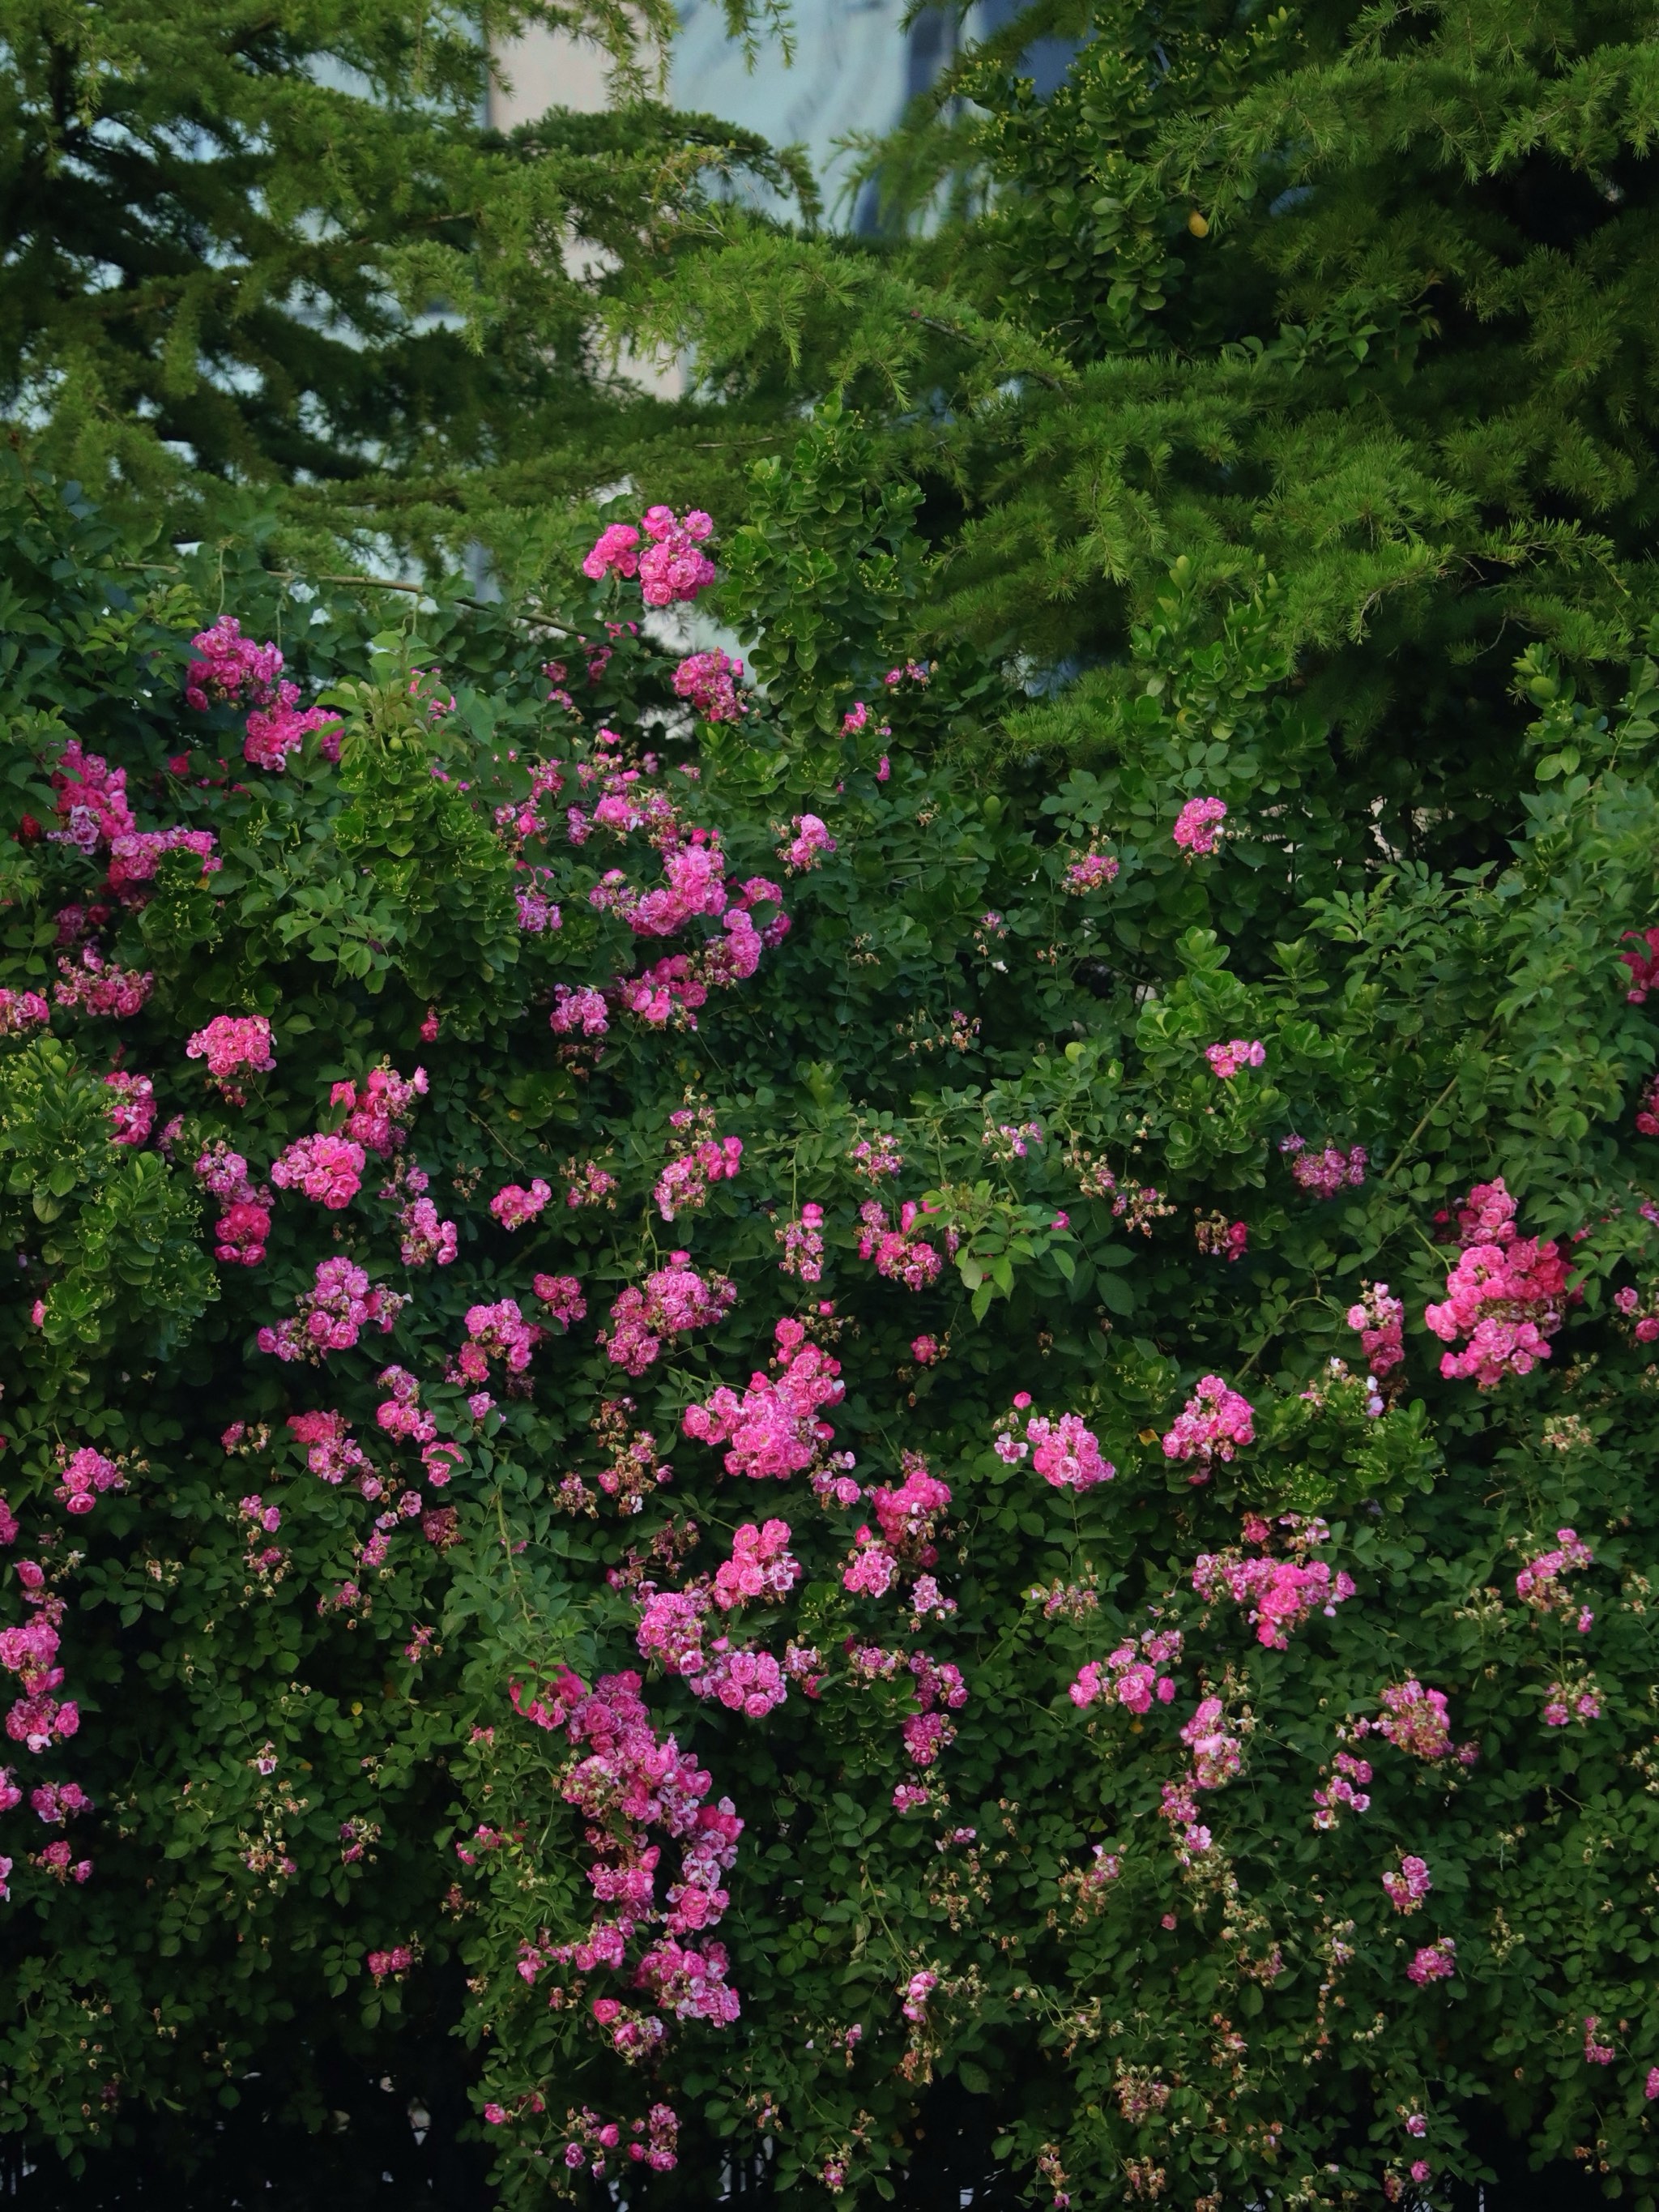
x,y
373,2155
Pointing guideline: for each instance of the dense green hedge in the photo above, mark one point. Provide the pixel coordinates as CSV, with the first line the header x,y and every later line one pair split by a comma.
x,y
336,1783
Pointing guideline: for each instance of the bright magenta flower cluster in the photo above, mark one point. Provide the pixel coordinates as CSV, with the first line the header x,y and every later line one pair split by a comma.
x,y
673,567
1507,1294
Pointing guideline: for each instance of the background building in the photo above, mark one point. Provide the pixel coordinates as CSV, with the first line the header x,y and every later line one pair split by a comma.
x,y
856,66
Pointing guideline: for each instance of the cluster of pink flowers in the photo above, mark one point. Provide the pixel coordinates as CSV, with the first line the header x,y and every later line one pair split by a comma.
x,y
898,1253
1088,872
1435,1962
1215,1761
1507,1294
1379,1317
1408,1884
1012,1141
37,1718
1596,2054
513,1206
233,1045
1215,1754
493,1331
1416,1720
583,1009
521,818
760,1566
1226,1060
1641,1310
425,1238
1066,1454
538,912
1198,826
92,804
282,727
744,1681
327,1169
627,801
914,1994
1212,1425
773,1430
1136,1205
261,1520
400,1413
1327,1171
675,1298
393,1963
563,1297
231,668
803,1244
925,1736
1565,1701
1278,1594
83,1476
332,1451
245,1225
590,2136
875,1157
135,858
21,1011
331,1315
627,1781
91,801
696,886
1135,1671
938,1684
810,843
60,1862
1218,1238
133,1110
908,1513
1345,1789
871,1569
671,1626
1643,965
57,1803
673,567
709,681
97,988
1647,1113
379,1108
672,990
633,1470
702,1159
1539,1583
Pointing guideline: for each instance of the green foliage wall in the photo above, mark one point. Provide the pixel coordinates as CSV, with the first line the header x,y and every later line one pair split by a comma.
x,y
323,1806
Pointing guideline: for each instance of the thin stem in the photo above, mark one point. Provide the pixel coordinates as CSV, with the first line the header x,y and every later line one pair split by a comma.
x,y
1407,1149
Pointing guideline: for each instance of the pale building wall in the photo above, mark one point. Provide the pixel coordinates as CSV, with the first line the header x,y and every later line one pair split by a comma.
x,y
854,67
545,70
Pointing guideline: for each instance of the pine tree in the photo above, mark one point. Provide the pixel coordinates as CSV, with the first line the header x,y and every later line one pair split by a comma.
x,y
272,249
1345,306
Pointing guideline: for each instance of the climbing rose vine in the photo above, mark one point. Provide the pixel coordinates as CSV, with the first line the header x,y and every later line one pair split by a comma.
x,y
730,1420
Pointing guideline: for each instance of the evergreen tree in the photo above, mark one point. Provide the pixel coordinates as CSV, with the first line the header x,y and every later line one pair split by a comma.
x,y
252,248
1355,298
